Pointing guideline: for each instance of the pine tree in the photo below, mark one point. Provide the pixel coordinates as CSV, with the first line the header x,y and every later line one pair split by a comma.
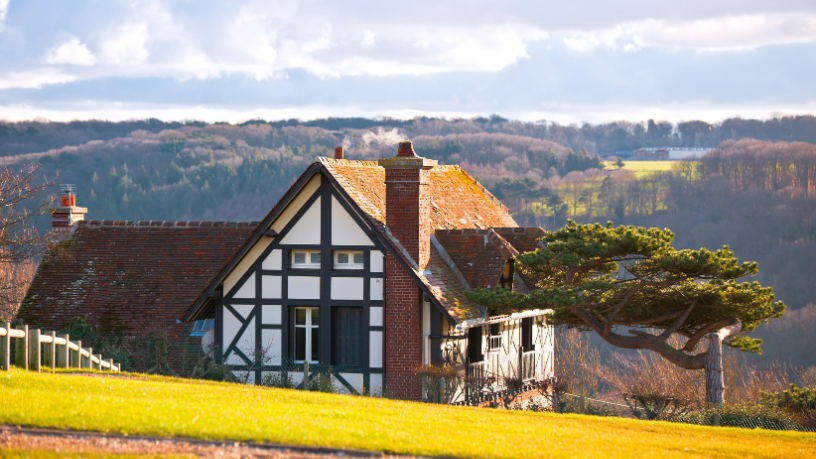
x,y
626,279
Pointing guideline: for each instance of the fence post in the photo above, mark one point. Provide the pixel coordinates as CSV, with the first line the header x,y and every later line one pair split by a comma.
x,y
62,353
76,358
21,349
98,364
306,375
112,366
50,352
5,347
87,363
34,350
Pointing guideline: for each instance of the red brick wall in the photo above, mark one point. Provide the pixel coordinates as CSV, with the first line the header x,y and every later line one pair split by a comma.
x,y
407,211
403,333
408,206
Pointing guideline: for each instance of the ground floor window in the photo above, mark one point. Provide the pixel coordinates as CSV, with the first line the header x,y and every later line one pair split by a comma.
x,y
202,326
306,334
347,336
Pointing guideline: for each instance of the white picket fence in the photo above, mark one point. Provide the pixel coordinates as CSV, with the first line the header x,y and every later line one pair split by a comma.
x,y
35,350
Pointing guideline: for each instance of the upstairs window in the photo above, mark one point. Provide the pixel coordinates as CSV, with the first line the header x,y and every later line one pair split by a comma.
x,y
349,259
306,259
495,337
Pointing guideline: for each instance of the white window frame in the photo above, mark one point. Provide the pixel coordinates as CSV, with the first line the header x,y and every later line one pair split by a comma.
x,y
351,264
308,264
310,329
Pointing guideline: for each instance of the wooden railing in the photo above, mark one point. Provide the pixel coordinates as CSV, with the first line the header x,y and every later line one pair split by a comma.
x,y
35,350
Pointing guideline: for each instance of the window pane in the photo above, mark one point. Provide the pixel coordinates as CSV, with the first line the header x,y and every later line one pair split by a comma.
x,y
315,317
358,258
342,258
315,257
300,258
300,317
315,345
300,343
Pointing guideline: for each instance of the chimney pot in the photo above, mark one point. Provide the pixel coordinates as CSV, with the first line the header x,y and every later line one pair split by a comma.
x,y
406,148
338,152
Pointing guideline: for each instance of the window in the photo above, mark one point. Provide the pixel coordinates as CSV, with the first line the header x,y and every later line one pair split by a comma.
x,y
527,334
347,336
306,337
495,337
309,259
349,259
202,326
475,344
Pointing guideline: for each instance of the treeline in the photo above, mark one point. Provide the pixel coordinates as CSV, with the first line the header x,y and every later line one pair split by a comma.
x,y
754,196
38,135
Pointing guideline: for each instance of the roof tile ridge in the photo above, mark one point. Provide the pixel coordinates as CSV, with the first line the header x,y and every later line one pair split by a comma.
x,y
501,244
446,258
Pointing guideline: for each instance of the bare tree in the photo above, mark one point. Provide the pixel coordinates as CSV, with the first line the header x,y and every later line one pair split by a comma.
x,y
20,242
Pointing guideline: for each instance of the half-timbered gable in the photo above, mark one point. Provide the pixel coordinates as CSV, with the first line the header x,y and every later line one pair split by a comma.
x,y
309,289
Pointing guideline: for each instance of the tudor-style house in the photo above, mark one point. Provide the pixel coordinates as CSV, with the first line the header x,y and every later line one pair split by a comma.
x,y
363,266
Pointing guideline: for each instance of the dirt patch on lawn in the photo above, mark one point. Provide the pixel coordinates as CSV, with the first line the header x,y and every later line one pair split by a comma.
x,y
90,442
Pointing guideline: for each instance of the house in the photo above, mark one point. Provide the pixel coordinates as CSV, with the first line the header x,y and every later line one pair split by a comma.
x,y
130,278
361,268
363,265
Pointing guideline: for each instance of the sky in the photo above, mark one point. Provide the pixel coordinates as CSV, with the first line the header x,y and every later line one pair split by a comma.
x,y
569,62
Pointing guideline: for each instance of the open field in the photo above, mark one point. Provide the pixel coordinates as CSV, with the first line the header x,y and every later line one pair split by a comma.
x,y
643,167
156,406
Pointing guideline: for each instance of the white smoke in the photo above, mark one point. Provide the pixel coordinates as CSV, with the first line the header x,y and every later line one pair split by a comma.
x,y
382,137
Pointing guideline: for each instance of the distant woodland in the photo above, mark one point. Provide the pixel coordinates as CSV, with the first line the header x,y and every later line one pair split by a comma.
x,y
756,192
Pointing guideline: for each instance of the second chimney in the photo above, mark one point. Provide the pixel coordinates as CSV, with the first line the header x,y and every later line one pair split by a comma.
x,y
338,152
67,213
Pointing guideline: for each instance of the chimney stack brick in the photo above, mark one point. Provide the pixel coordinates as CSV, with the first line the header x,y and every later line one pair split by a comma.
x,y
338,152
407,213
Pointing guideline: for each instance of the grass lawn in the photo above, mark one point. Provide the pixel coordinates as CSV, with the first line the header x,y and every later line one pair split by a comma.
x,y
216,411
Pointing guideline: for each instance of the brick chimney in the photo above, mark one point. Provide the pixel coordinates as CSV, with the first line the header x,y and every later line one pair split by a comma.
x,y
338,152
66,213
407,216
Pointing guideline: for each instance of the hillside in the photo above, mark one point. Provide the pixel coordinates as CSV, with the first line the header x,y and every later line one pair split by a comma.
x,y
756,196
155,406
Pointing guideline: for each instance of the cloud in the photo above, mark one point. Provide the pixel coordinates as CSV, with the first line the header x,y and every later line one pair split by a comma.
x,y
3,12
71,52
34,79
724,33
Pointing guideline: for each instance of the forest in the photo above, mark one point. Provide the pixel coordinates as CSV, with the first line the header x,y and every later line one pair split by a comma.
x,y
756,192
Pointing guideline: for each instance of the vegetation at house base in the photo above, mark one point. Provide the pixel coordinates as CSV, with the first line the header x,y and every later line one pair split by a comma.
x,y
605,278
163,406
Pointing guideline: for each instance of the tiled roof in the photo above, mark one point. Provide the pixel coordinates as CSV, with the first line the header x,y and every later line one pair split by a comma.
x,y
522,239
131,276
448,290
457,199
479,254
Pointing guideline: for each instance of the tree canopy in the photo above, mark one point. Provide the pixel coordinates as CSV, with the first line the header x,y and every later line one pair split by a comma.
x,y
635,290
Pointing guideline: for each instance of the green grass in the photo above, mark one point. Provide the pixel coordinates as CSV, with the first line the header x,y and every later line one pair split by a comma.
x,y
218,411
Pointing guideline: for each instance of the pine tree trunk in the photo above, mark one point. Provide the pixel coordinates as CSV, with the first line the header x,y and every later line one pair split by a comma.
x,y
715,385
